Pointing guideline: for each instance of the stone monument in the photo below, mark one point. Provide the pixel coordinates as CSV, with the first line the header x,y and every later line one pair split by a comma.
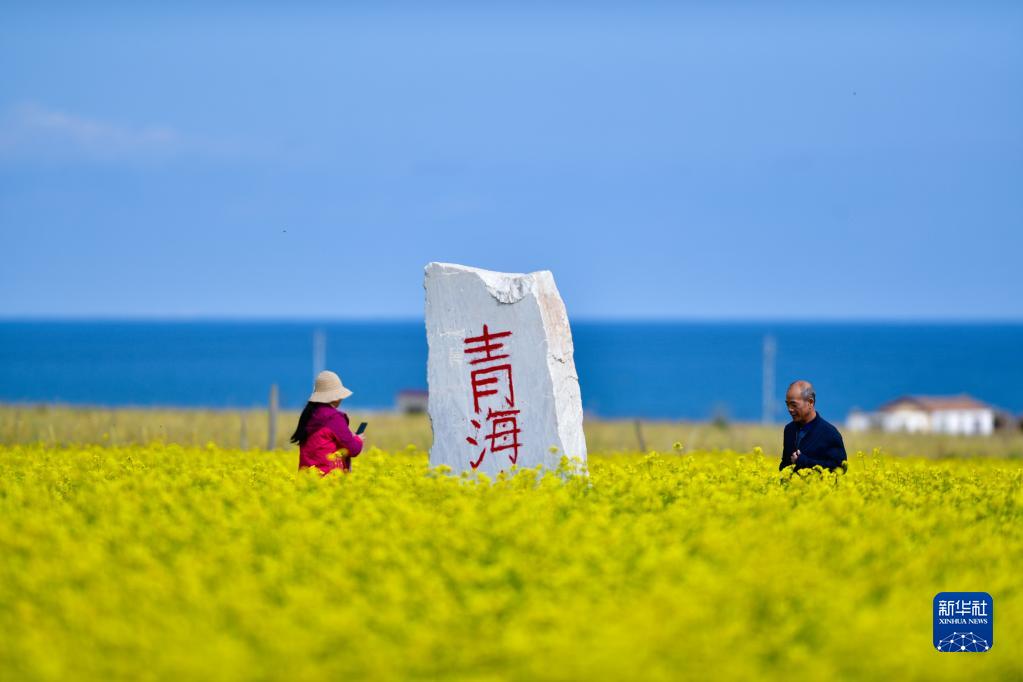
x,y
502,379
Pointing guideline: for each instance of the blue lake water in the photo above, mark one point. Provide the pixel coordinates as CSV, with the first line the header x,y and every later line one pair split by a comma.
x,y
658,370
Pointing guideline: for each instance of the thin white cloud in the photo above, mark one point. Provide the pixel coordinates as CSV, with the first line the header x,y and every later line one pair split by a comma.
x,y
34,131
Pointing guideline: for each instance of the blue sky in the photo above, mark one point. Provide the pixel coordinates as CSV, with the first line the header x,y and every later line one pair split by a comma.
x,y
720,160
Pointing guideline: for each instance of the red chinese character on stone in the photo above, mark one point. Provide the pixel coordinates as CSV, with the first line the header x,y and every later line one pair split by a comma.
x,y
487,382
504,435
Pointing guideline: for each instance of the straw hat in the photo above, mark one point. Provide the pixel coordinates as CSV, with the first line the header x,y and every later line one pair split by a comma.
x,y
328,388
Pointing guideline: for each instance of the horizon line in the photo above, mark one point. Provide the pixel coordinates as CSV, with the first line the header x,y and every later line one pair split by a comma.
x,y
585,319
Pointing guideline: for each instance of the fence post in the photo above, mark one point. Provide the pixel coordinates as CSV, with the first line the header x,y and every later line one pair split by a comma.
x,y
243,439
272,438
639,436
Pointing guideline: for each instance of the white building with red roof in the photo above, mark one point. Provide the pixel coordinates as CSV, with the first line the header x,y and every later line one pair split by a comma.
x,y
960,415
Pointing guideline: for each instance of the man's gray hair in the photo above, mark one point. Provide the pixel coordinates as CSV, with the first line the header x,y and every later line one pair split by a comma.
x,y
806,391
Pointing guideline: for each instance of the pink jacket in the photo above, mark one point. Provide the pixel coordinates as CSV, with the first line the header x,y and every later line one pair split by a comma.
x,y
327,432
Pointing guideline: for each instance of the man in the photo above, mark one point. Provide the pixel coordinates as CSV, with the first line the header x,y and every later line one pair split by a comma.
x,y
809,440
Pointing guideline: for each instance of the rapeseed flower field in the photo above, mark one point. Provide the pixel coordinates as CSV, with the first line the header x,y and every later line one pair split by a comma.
x,y
169,562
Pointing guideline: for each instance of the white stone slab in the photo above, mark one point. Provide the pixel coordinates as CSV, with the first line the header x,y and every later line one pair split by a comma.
x,y
517,381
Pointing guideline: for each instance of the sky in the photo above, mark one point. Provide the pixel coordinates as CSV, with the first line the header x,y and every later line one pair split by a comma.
x,y
811,161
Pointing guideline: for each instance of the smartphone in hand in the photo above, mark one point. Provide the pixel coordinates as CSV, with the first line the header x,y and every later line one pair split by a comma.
x,y
362,427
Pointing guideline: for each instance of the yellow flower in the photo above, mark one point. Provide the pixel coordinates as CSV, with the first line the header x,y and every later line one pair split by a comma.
x,y
342,452
224,561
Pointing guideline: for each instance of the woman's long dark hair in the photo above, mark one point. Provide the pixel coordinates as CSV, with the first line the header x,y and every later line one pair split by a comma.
x,y
303,421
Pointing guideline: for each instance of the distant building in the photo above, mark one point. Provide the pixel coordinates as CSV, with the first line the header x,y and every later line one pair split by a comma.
x,y
412,401
858,420
960,415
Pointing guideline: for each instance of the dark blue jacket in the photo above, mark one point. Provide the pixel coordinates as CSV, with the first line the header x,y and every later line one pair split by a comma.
x,y
821,444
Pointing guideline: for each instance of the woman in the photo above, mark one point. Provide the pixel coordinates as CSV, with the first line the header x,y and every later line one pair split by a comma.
x,y
323,429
